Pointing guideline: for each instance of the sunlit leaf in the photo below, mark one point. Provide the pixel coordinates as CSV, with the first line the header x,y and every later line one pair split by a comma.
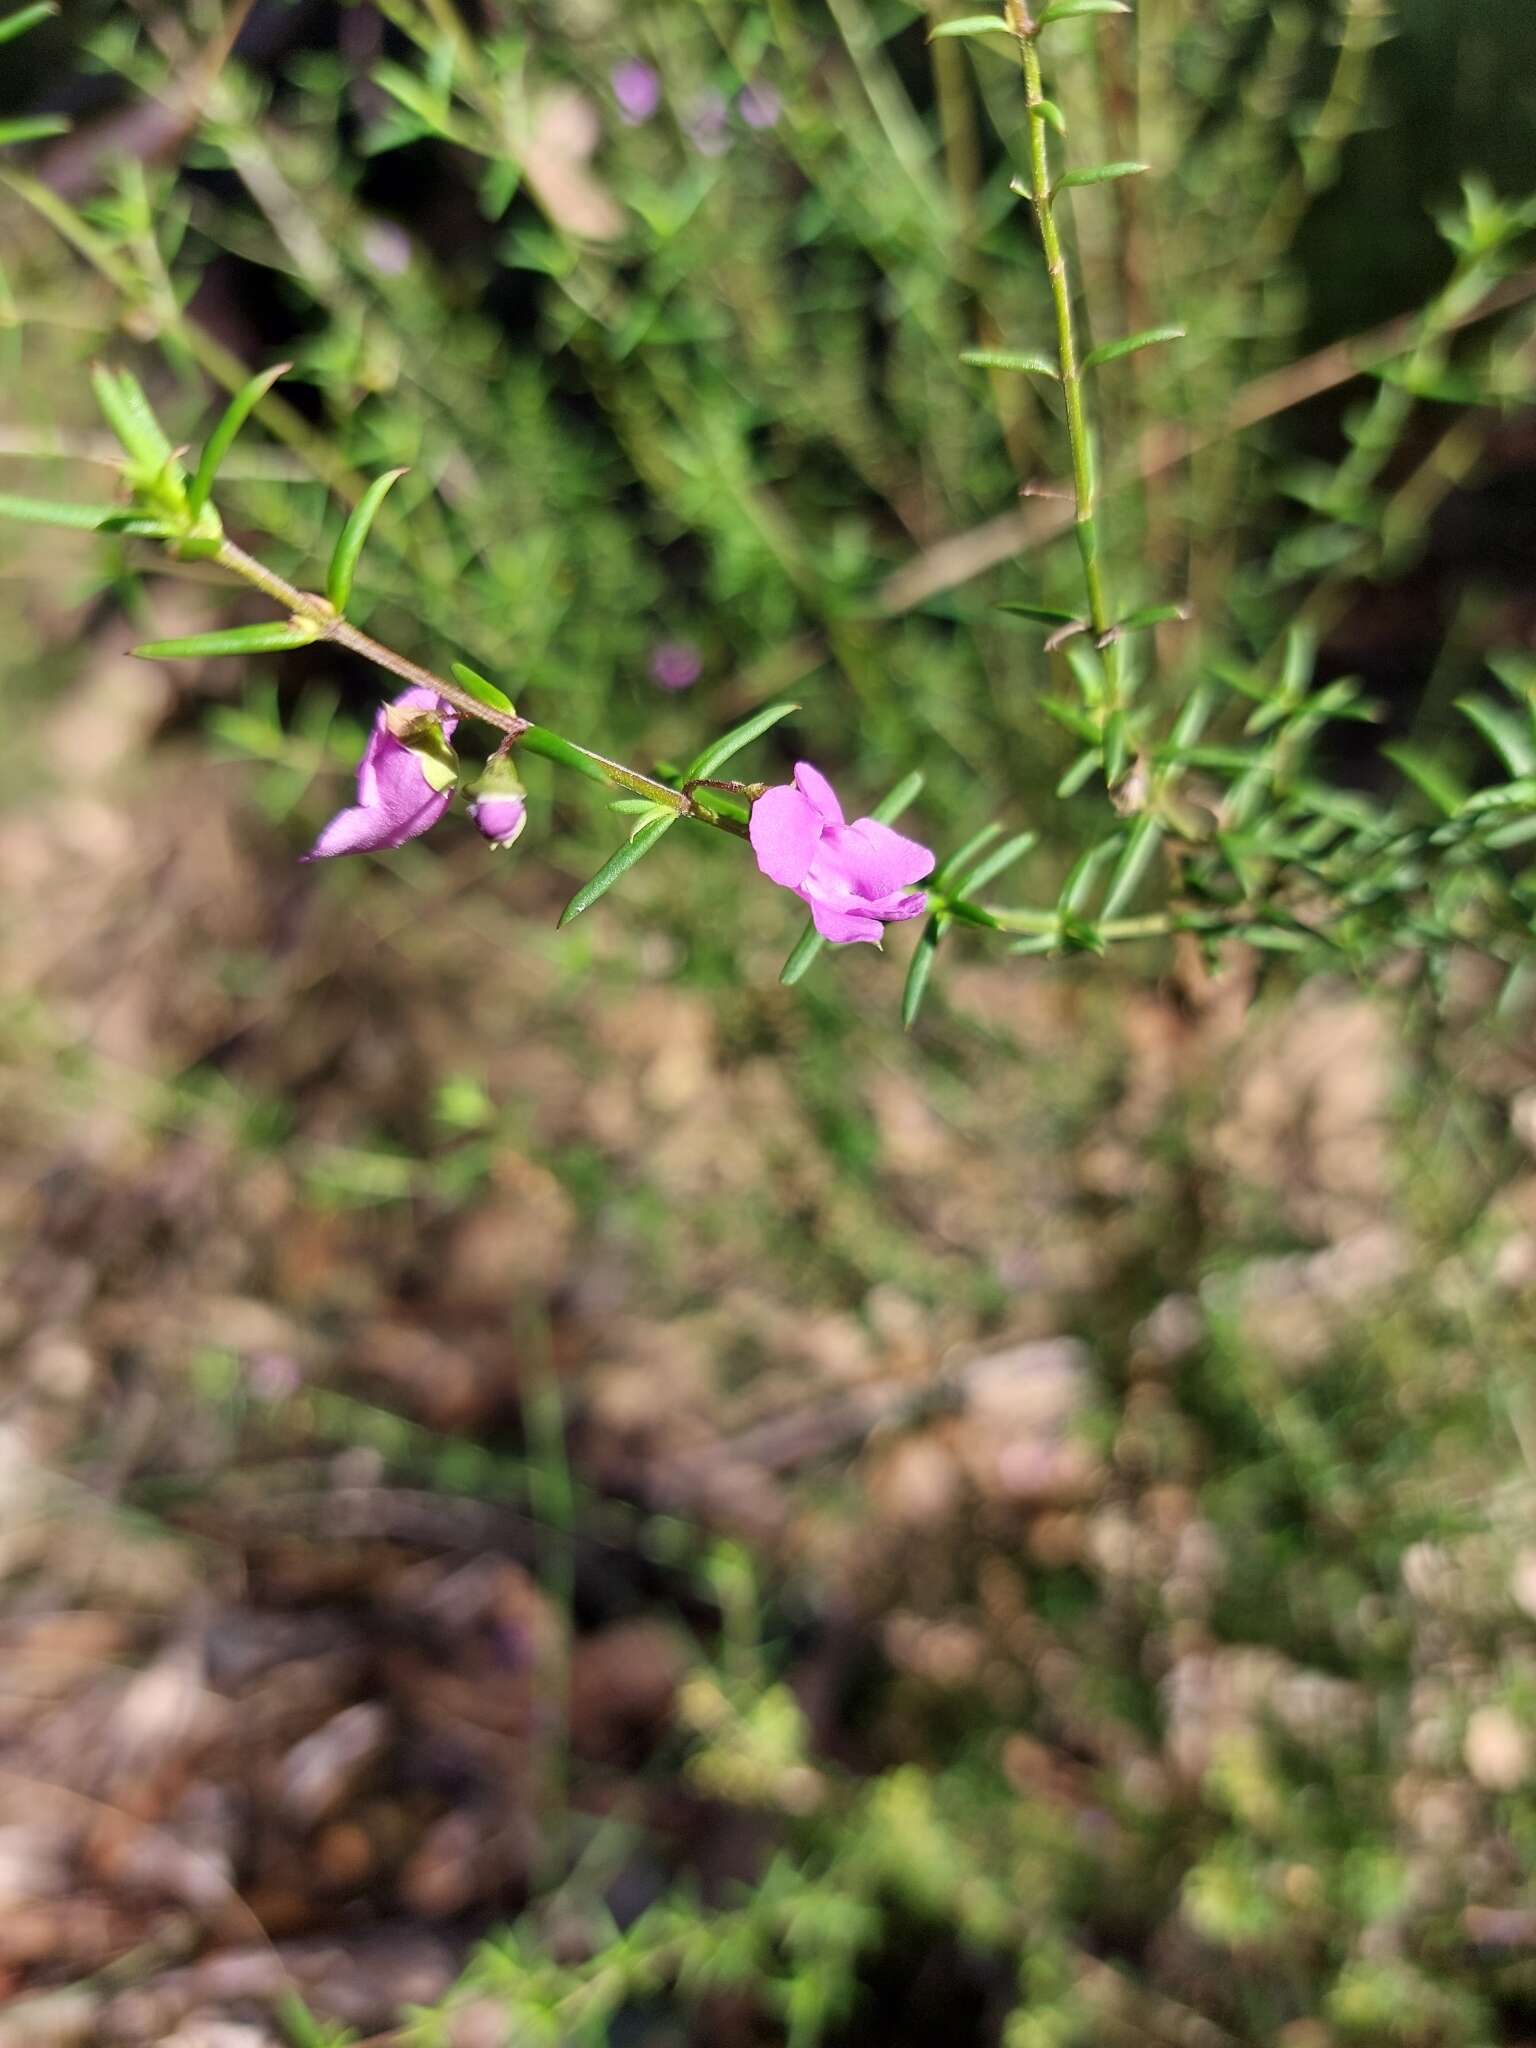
x,y
1146,835
971,25
44,512
477,686
272,638
353,537
617,865
1111,351
17,24
720,751
1428,776
1098,174
219,442
920,972
32,128
1068,10
1030,365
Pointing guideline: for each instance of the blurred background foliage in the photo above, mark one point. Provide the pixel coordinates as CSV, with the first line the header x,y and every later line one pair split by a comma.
x,y
1019,1535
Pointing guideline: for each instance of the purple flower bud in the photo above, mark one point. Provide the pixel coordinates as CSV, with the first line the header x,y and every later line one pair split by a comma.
x,y
500,818
676,664
855,879
636,91
706,124
759,106
405,780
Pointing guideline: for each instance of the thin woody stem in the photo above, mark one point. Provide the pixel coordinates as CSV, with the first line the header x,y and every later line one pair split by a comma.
x,y
552,746
1083,482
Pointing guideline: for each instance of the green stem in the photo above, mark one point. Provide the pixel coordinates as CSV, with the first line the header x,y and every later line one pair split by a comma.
x,y
538,739
1084,484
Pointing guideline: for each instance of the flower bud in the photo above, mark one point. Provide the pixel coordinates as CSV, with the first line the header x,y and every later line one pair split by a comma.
x,y
498,806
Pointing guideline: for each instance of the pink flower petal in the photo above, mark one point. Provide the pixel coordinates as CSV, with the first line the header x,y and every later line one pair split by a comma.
x,y
892,856
816,789
842,927
784,830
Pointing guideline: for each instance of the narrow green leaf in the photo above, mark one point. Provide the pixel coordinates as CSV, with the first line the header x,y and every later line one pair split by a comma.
x,y
971,25
1117,746
1146,836
720,751
1098,174
1039,942
1078,773
1274,938
634,806
1009,359
131,417
901,798
1067,10
617,865
1001,858
920,971
1042,614
219,442
1151,615
810,941
1070,719
353,537
1111,351
954,867
1194,716
477,686
1428,776
44,512
1510,739
273,638
32,128
17,24
1051,114
1074,891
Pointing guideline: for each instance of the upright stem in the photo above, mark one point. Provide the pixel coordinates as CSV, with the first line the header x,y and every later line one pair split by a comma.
x,y
1083,481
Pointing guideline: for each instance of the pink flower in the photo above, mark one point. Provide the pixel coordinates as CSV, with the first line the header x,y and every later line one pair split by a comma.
x,y
500,818
636,91
405,779
759,106
855,878
676,664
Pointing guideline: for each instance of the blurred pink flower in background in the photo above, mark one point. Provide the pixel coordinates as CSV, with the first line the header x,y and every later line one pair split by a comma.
x,y
636,90
675,664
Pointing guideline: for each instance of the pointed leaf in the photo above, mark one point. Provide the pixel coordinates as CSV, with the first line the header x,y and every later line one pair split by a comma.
x,y
971,25
1151,615
1140,848
272,638
1001,858
954,867
1009,359
919,972
1042,614
1051,114
32,128
1067,10
44,512
477,686
617,865
1098,174
353,537
1070,719
1111,351
218,444
1078,773
1074,891
810,941
131,417
1510,739
1427,775
720,751
17,24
